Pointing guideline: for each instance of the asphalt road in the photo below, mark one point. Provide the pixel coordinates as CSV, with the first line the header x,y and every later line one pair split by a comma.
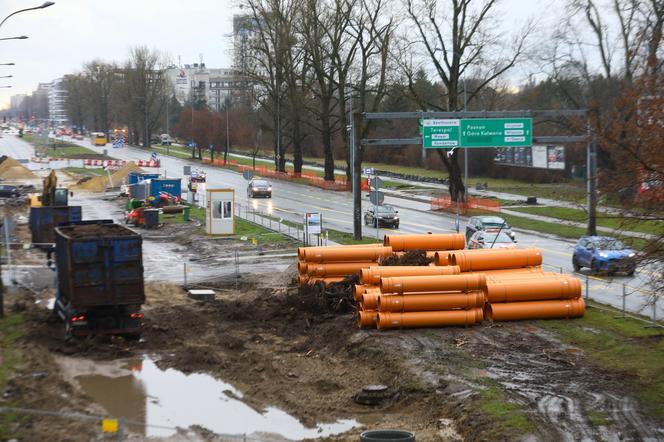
x,y
290,201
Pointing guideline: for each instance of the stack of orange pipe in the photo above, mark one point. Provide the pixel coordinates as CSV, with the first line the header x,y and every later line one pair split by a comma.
x,y
437,297
543,296
333,264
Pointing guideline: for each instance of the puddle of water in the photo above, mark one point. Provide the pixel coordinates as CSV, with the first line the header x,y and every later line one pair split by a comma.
x,y
141,392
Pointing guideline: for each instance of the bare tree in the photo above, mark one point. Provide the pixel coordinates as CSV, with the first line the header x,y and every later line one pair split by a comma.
x,y
458,41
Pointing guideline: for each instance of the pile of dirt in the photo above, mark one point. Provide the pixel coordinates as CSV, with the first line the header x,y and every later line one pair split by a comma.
x,y
10,169
100,183
410,258
96,230
336,298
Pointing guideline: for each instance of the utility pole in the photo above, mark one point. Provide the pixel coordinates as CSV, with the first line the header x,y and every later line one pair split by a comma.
x,y
228,135
591,177
357,178
465,150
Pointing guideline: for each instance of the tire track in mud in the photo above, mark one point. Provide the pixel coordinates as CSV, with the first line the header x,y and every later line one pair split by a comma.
x,y
570,396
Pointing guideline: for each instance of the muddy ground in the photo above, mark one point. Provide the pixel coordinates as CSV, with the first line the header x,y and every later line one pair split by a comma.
x,y
284,348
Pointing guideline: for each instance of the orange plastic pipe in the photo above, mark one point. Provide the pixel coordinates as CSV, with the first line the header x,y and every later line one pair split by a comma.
x,y
387,320
430,302
304,252
438,241
347,254
302,279
337,268
500,277
302,267
372,275
534,270
545,287
514,311
367,318
441,258
442,283
490,259
370,300
362,289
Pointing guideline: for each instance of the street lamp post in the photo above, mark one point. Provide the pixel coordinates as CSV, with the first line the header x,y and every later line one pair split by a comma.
x,y
42,6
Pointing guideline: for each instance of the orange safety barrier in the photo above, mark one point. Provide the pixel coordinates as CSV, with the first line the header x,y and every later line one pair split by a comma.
x,y
515,311
446,203
387,320
438,241
553,286
490,259
372,275
347,254
367,318
302,251
337,268
443,283
430,302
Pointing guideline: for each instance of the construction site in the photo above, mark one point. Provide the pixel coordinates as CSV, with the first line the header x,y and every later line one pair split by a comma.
x,y
125,318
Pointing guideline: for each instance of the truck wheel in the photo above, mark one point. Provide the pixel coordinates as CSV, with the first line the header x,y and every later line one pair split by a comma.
x,y
575,264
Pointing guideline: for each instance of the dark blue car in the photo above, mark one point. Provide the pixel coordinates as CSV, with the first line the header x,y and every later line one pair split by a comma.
x,y
603,254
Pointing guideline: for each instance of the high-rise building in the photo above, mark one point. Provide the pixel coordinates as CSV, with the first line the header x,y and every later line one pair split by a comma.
x,y
202,85
57,102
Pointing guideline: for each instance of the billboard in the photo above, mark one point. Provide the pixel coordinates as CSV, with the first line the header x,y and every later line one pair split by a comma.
x,y
537,156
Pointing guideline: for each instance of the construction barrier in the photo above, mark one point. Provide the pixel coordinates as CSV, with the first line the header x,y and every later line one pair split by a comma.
x,y
473,203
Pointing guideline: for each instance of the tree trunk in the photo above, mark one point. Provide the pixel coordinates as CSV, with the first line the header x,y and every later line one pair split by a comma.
x,y
455,182
326,138
297,149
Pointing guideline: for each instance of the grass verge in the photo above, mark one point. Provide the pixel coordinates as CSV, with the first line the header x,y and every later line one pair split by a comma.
x,y
11,328
508,416
621,346
603,219
243,228
60,149
82,171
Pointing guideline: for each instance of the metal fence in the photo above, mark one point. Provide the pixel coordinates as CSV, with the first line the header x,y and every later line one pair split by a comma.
x,y
276,224
644,303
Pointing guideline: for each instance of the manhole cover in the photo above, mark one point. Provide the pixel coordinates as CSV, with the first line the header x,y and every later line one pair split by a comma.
x,y
373,395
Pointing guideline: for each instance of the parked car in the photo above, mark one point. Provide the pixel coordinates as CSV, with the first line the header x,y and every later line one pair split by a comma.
x,y
382,216
488,223
491,240
166,140
603,254
7,191
259,187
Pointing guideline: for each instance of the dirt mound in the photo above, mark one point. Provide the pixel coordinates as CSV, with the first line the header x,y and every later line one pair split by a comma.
x,y
411,258
336,297
10,169
100,183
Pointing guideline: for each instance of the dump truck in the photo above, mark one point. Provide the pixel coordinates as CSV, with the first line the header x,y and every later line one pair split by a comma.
x,y
100,287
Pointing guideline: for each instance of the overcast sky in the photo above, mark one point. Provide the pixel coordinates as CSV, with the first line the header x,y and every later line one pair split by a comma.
x,y
65,35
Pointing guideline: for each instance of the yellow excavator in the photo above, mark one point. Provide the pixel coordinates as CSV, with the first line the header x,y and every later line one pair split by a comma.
x,y
51,195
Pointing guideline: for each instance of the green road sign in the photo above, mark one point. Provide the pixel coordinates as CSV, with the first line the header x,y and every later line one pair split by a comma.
x,y
497,132
489,132
437,134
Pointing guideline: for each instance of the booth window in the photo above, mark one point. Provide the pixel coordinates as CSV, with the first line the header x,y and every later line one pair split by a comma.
x,y
216,209
228,209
